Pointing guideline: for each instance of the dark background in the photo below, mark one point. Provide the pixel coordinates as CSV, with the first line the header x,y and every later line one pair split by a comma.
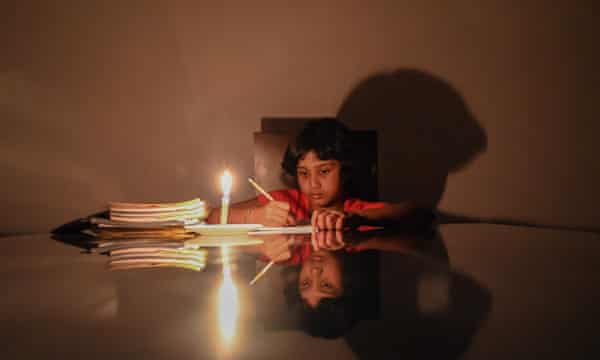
x,y
488,108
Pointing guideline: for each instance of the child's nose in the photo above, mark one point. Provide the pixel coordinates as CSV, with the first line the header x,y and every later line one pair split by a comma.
x,y
316,270
314,181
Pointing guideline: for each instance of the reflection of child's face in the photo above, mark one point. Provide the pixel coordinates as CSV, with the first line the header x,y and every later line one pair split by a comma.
x,y
319,180
320,277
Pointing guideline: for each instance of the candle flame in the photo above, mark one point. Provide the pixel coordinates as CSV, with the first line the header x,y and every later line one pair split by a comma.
x,y
228,300
226,181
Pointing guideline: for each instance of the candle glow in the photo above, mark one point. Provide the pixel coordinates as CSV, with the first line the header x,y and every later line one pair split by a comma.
x,y
228,307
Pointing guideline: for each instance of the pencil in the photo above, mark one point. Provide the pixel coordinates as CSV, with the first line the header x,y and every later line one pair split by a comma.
x,y
260,189
262,272
268,196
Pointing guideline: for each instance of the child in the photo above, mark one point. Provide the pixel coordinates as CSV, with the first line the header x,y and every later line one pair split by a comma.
x,y
321,163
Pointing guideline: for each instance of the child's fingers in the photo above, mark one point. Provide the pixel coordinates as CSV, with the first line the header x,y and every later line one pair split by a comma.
x,y
278,216
327,219
339,224
322,239
329,239
276,220
281,205
330,220
313,240
284,255
290,220
313,219
339,238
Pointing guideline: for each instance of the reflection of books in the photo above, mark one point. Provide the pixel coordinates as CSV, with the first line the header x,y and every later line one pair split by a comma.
x,y
106,223
136,258
170,234
108,246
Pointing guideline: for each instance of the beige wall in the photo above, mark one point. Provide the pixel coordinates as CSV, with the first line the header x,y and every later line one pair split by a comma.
x,y
149,101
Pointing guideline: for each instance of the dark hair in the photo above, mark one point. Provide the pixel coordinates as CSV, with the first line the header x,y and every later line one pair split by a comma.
x,y
330,140
334,317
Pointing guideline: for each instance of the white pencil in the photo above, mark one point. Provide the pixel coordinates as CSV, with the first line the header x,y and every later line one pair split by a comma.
x,y
268,196
262,272
260,189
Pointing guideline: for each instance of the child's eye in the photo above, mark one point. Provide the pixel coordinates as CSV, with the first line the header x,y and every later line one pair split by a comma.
x,y
325,171
326,285
304,283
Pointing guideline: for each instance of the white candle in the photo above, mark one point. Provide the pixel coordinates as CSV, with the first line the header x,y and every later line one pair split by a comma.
x,y
226,182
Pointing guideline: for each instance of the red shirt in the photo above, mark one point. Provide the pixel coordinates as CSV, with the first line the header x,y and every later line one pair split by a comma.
x,y
299,209
299,203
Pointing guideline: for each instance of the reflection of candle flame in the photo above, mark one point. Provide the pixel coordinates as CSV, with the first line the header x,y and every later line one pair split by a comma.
x,y
228,300
226,181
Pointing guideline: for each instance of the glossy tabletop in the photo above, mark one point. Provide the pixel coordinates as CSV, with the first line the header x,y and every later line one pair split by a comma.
x,y
470,291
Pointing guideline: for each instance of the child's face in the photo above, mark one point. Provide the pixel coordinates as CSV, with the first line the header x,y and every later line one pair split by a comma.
x,y
320,277
319,180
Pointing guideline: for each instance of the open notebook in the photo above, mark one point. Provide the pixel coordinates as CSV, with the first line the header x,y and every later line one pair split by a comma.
x,y
250,229
301,229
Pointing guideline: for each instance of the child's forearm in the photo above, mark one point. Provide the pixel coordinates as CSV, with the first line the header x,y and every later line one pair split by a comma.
x,y
239,213
396,214
388,212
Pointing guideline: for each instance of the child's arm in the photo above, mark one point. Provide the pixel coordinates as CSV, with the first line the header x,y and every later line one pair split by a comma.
x,y
377,239
238,213
274,213
388,215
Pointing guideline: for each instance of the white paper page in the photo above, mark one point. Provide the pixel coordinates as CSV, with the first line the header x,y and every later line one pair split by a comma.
x,y
304,229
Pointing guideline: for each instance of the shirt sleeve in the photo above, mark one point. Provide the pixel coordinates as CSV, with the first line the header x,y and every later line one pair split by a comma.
x,y
262,199
357,205
279,195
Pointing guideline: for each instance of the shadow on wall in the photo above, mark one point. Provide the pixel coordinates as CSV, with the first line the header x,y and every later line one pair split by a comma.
x,y
425,132
428,311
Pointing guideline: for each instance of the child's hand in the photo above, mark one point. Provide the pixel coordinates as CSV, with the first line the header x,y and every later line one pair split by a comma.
x,y
331,219
327,239
328,219
277,247
274,213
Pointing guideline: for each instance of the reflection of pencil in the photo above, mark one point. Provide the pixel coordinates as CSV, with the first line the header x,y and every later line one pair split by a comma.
x,y
262,272
260,189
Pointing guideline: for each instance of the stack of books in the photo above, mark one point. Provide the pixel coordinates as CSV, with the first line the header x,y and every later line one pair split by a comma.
x,y
187,212
149,235
150,220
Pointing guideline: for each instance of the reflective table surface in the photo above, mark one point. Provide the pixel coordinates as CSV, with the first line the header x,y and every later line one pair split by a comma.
x,y
467,291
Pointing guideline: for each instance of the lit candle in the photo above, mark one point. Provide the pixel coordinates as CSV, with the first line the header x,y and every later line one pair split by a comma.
x,y
226,181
